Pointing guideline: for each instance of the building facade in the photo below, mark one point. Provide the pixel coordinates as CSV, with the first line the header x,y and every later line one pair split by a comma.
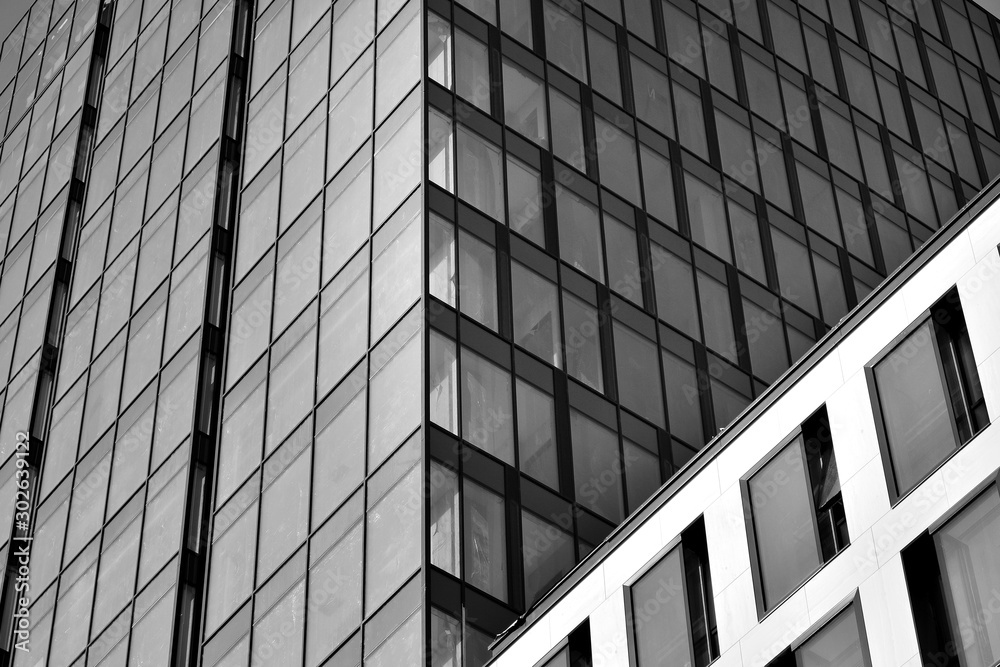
x,y
340,332
850,517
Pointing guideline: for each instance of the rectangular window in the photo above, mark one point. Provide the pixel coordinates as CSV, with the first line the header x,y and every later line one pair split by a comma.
x,y
579,233
927,395
596,467
638,374
480,173
953,577
485,536
524,103
536,434
487,410
796,515
670,613
564,39
536,313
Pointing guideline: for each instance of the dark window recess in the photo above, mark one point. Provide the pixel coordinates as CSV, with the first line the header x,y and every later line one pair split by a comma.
x,y
953,577
576,652
671,615
823,478
928,396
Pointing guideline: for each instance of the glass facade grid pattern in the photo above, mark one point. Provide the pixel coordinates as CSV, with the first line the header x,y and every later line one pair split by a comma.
x,y
634,216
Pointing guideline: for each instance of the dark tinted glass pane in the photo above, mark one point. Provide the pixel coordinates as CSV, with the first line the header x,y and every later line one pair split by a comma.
x,y
638,377
674,281
837,643
596,467
683,402
968,546
548,555
660,615
913,398
784,524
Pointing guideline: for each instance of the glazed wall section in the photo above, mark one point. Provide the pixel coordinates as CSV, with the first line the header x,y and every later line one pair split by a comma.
x,y
640,214
112,495
316,541
870,573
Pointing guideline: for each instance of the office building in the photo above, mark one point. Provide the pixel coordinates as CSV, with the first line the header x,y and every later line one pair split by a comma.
x,y
342,331
850,517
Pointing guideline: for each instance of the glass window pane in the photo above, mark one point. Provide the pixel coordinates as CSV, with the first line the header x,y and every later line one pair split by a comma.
x,y
397,162
289,398
334,596
472,69
675,301
284,515
340,459
967,546
351,103
343,327
524,201
583,342
683,400
441,149
439,49
441,252
564,40
515,20
480,173
487,408
690,121
485,535
596,467
396,282
393,546
817,202
651,94
659,187
398,61
524,103
536,434
444,519
277,638
567,130
707,217
446,640
624,272
353,21
638,375
536,313
766,342
395,402
784,524
642,473
658,598
604,65
616,159
477,280
548,555
746,239
914,403
579,233
683,42
838,638
794,274
231,577
443,380
717,316
347,217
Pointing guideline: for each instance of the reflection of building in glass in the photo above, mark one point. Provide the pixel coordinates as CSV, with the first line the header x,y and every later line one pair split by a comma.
x,y
343,330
